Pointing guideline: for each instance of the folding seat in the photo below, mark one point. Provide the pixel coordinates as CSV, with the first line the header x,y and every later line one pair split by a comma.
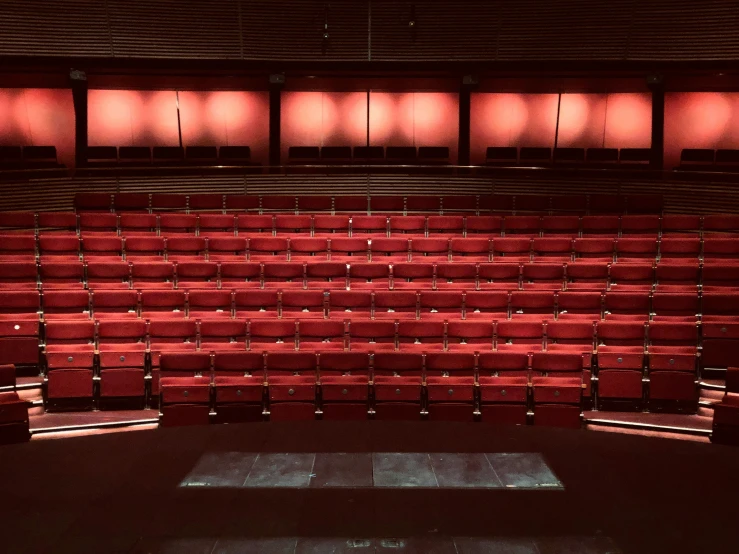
x,y
93,223
389,250
720,248
644,203
717,275
196,275
460,203
267,335
673,365
678,249
121,344
278,202
636,249
606,204
326,275
714,224
152,275
349,249
17,248
173,224
519,336
369,226
303,304
312,204
429,250
18,222
19,327
145,248
283,275
133,224
533,305
17,305
647,226
395,304
61,275
292,382
472,336
587,305
380,203
19,275
239,386
321,335
627,305
349,304
677,276
57,222
185,388
504,383
410,226
420,336
169,202
456,275
157,303
227,248
720,326
681,225
600,224
567,226
108,274
254,304
345,382
671,306
424,203
369,275
209,304
268,249
486,304
241,275
292,225
574,336
557,386
512,249
185,248
355,204
415,275
497,203
398,383
109,248
255,225
69,359
66,305
587,276
531,203
216,225
544,276
548,249
211,202
14,423
499,276
114,304
131,202
59,247
631,276
488,225
598,249
445,226
526,225
441,305
450,386
620,350
372,336
219,334
471,249
308,249
331,225
242,203
169,335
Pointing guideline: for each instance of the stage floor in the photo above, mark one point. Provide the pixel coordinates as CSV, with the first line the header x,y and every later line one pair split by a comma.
x,y
369,487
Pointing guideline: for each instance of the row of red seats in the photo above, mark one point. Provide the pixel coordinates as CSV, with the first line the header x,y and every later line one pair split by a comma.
x,y
584,275
582,203
374,225
490,387
16,306
522,249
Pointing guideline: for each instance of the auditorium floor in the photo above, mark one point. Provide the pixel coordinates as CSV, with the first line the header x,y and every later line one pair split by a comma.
x,y
121,493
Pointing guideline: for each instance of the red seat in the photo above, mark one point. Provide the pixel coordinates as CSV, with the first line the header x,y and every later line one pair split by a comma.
x,y
69,359
268,248
331,226
447,226
631,276
96,247
430,250
441,305
411,226
640,225
520,336
457,275
349,250
528,225
321,335
673,365
222,248
398,304
574,336
586,305
620,351
596,248
369,275
326,275
251,225
675,305
173,224
18,222
634,306
636,249
679,248
681,224
185,248
450,386
560,225
279,202
349,304
98,222
19,327
239,386
16,305
222,334
59,247
108,275
216,225
459,203
303,304
283,275
677,277
718,275
369,226
600,224
503,379
413,275
534,305
131,201
344,378
389,250
470,336
185,388
587,276
489,225
720,324
372,336
308,249
486,305
152,275
268,335
726,413
191,274
206,303
114,304
398,380
715,248
66,305
512,249
14,422
143,248
255,304
17,248
62,275
470,249
205,201
168,201
420,336
133,224
557,392
241,275
122,350
292,380
290,225
242,202
552,249
546,276
720,223
57,222
499,276
19,275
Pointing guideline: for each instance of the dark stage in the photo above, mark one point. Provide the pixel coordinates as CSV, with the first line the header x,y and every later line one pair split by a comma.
x,y
122,493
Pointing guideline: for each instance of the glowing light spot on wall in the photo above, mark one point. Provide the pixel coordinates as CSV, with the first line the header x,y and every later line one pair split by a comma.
x,y
381,115
573,116
629,121
508,113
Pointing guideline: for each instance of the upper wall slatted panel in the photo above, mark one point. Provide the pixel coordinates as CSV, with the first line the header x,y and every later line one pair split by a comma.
x,y
685,30
440,30
175,29
293,29
54,28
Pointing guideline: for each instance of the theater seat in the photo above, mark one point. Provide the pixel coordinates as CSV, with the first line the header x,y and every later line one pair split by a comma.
x,y
450,386
726,413
345,383
239,386
185,388
14,424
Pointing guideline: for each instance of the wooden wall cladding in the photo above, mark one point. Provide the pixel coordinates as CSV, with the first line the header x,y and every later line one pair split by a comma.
x,y
373,30
680,196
